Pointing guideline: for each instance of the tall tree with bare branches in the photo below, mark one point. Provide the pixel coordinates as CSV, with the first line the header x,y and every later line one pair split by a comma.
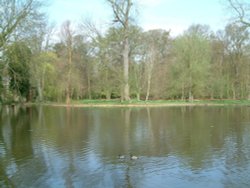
x,y
13,14
242,10
122,11
67,40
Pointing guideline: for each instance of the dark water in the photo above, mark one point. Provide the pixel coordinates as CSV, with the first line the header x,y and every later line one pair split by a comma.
x,y
78,147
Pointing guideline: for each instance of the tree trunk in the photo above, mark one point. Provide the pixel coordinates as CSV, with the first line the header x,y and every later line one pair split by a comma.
x,y
5,83
121,10
67,96
89,87
234,92
68,90
126,69
39,91
148,85
212,95
40,86
190,94
108,95
182,92
138,96
122,98
67,35
29,95
190,98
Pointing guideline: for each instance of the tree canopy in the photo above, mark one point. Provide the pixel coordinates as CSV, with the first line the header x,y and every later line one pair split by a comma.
x,y
123,62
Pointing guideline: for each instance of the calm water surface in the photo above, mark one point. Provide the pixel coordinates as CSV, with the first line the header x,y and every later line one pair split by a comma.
x,y
78,147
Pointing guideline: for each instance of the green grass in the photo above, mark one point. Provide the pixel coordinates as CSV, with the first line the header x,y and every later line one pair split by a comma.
x,y
225,101
133,101
163,102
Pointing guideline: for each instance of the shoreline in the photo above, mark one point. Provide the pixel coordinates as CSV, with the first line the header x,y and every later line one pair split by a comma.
x,y
126,105
135,104
143,104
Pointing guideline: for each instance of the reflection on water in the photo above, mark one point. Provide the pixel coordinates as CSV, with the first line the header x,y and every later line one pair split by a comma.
x,y
78,147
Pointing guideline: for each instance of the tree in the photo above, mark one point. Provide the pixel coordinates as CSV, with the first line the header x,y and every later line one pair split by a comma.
x,y
193,56
122,11
109,63
137,68
105,56
67,40
241,9
18,58
217,76
43,74
13,15
155,43
85,64
20,21
236,40
42,59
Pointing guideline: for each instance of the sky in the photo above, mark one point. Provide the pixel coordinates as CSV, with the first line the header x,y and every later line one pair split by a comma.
x,y
173,15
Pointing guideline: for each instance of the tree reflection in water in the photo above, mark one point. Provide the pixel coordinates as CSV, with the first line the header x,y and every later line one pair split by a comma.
x,y
78,147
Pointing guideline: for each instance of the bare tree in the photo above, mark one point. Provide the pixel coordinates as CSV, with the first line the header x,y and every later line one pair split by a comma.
x,y
67,39
122,10
242,9
13,14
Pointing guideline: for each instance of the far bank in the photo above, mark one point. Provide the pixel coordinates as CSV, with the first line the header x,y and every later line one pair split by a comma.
x,y
150,103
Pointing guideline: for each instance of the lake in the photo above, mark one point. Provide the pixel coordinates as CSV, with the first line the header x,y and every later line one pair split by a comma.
x,y
43,146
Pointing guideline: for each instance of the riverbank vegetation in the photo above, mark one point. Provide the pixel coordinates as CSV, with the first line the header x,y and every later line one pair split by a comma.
x,y
149,103
124,62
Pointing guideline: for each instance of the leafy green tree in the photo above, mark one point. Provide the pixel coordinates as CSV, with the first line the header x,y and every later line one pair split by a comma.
x,y
137,67
193,57
216,86
109,63
156,46
83,62
20,21
18,58
236,40
43,76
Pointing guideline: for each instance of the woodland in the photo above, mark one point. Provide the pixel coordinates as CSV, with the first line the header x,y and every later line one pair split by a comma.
x,y
123,62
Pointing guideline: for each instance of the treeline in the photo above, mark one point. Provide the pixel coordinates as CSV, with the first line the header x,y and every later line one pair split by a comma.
x,y
87,63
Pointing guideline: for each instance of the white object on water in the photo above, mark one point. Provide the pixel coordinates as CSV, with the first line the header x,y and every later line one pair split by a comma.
x,y
121,156
133,157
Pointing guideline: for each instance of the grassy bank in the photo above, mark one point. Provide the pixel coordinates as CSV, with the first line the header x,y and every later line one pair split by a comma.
x,y
135,103
159,103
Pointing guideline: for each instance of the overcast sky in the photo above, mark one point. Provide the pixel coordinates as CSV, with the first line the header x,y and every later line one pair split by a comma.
x,y
176,15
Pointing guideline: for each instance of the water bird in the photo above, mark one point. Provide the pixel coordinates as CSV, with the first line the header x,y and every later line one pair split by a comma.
x,y
133,157
121,156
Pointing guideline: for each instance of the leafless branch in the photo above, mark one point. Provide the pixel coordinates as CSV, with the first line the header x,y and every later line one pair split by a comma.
x,y
240,10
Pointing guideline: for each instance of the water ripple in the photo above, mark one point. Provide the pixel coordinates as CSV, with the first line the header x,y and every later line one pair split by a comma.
x,y
177,147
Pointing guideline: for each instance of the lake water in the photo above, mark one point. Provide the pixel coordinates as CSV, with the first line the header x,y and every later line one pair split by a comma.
x,y
79,147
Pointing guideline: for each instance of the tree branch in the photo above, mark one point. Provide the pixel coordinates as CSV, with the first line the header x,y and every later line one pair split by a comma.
x,y
240,11
121,12
13,22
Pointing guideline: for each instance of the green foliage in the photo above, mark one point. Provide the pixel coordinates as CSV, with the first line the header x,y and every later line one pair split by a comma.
x,y
18,58
191,69
197,64
44,75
